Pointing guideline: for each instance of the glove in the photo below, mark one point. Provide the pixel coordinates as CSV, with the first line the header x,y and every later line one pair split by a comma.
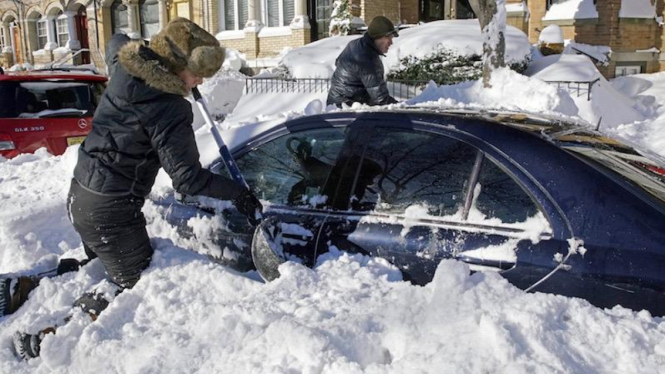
x,y
249,205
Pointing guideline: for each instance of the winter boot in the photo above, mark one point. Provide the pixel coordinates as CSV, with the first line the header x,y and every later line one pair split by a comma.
x,y
27,345
92,303
14,292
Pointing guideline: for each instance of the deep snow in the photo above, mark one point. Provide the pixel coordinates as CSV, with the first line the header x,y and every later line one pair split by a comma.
x,y
351,314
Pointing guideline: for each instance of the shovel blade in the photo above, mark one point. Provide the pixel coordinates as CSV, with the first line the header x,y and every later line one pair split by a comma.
x,y
267,252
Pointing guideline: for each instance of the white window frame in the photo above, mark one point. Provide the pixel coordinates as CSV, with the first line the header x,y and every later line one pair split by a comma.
x,y
61,21
43,22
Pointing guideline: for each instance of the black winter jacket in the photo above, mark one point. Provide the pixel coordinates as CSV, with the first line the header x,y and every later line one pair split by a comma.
x,y
359,76
142,123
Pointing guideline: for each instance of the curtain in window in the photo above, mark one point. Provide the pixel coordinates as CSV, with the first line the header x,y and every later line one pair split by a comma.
x,y
273,13
149,17
119,21
229,15
244,7
289,11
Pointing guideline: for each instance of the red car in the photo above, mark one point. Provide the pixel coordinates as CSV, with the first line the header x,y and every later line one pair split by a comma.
x,y
46,108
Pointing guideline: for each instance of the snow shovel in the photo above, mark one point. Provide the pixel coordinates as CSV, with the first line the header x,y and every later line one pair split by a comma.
x,y
266,250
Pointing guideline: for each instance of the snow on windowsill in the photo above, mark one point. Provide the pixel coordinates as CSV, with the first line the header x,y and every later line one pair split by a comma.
x,y
571,9
650,50
517,8
637,9
62,50
230,35
274,31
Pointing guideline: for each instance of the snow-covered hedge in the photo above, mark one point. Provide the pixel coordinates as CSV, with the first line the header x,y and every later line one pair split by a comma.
x,y
445,67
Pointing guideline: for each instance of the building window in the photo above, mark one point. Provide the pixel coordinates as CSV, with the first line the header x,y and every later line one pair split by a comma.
x,y
149,18
323,10
62,30
620,71
119,20
42,37
2,37
235,14
279,12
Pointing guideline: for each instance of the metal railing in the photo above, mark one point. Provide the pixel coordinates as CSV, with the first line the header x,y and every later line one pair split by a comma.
x,y
580,88
401,90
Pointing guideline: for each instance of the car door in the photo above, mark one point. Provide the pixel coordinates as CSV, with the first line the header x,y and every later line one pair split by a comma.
x,y
410,203
289,170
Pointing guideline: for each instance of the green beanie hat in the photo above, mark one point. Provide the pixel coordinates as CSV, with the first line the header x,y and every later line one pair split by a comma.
x,y
380,27
183,44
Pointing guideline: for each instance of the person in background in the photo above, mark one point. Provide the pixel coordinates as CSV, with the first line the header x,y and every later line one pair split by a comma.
x,y
143,123
359,74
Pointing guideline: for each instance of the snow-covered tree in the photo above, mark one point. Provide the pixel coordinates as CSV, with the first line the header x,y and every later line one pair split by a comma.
x,y
492,17
340,18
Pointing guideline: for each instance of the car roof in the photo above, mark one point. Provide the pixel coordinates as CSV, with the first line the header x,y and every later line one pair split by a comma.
x,y
53,74
562,130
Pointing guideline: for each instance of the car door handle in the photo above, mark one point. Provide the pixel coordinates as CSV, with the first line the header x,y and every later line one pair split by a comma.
x,y
489,263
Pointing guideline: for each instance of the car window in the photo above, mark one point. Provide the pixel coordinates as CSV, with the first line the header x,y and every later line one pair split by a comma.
x,y
403,168
497,195
41,99
406,169
293,168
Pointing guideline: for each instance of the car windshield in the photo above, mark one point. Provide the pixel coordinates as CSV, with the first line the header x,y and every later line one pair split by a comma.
x,y
48,99
639,170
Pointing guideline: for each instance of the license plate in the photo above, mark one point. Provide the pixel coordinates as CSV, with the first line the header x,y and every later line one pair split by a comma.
x,y
75,140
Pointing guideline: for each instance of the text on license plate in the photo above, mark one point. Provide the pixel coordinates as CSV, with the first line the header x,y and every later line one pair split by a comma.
x,y
75,140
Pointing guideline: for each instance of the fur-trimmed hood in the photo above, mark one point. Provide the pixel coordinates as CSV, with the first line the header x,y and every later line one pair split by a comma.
x,y
141,62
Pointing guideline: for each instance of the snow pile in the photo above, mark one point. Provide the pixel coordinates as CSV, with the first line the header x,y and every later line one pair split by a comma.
x,y
606,106
317,60
648,92
351,314
572,9
510,91
600,53
551,34
221,92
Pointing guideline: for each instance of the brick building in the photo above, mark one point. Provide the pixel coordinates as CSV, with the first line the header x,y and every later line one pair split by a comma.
x,y
40,31
632,29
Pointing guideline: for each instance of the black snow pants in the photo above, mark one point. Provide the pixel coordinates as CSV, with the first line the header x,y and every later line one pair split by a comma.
x,y
113,229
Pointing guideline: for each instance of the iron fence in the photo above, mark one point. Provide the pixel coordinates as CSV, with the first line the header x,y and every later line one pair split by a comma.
x,y
401,90
578,88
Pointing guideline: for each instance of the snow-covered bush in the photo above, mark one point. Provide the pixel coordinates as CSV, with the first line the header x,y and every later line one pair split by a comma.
x,y
444,67
340,18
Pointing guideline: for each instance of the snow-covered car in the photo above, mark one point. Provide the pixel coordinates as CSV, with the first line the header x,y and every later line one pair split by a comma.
x,y
46,108
553,207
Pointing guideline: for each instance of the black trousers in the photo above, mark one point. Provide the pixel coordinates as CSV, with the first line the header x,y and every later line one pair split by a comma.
x,y
113,229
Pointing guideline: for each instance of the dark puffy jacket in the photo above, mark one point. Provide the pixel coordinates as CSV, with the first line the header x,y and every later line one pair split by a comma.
x,y
142,123
359,76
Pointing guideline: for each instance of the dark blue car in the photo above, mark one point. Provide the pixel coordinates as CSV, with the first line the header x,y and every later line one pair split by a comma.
x,y
552,207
